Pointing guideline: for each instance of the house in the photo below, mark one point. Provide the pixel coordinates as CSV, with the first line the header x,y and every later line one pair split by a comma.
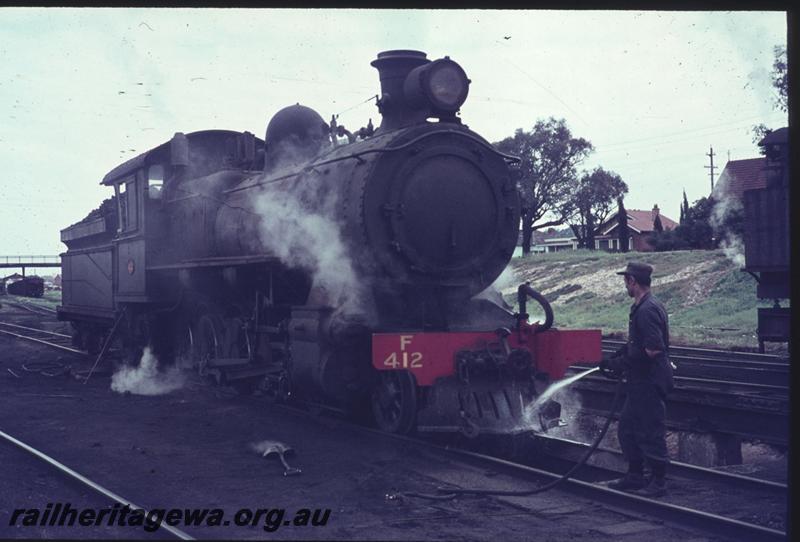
x,y
9,280
741,175
14,277
640,228
553,240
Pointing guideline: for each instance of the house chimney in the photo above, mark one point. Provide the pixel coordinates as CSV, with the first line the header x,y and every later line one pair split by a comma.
x,y
655,211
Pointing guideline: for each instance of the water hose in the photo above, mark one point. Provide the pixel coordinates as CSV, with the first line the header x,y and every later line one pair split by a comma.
x,y
523,293
449,493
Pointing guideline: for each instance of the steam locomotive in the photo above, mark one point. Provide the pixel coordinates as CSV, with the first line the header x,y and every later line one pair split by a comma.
x,y
339,267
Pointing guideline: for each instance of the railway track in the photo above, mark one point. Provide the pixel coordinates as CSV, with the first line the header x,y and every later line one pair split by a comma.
x,y
677,512
716,366
690,484
679,509
686,516
52,339
94,486
30,307
738,386
708,353
749,414
685,505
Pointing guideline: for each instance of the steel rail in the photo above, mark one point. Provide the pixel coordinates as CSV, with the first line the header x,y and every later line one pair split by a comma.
x,y
720,384
774,374
567,448
42,311
27,328
681,516
679,358
86,481
710,353
40,340
709,384
722,367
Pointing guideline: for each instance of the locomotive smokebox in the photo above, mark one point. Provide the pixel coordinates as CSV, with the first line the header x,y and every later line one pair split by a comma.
x,y
393,68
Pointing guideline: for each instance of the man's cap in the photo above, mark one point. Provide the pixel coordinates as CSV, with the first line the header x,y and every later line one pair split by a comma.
x,y
637,270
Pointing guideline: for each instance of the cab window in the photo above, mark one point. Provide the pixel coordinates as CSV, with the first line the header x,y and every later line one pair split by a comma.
x,y
155,182
122,205
128,205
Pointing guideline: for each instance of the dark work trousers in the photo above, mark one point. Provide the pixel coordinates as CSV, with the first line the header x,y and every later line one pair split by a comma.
x,y
641,430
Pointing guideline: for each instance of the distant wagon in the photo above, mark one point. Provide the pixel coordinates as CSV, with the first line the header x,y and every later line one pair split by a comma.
x,y
27,286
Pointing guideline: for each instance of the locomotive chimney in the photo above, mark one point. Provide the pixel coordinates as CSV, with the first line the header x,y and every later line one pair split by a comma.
x,y
393,68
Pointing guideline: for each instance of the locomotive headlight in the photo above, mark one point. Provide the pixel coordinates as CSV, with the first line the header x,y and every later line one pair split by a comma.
x,y
441,84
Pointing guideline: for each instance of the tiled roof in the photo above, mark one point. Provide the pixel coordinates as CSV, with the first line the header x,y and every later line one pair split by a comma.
x,y
741,175
640,221
643,220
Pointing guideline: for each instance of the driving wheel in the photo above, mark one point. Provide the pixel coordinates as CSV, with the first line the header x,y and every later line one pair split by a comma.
x,y
394,401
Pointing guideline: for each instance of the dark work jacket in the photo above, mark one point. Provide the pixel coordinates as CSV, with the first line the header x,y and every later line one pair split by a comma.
x,y
648,327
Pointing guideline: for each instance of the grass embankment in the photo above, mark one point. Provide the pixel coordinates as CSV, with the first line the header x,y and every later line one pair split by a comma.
x,y
709,300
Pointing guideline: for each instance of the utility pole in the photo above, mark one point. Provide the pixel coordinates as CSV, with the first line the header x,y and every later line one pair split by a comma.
x,y
711,167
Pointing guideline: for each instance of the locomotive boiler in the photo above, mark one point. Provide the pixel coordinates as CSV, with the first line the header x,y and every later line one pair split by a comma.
x,y
332,266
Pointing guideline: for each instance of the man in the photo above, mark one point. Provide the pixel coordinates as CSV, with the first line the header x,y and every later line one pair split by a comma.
x,y
644,362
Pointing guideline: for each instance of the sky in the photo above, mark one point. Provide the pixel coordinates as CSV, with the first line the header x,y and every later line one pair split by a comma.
x,y
85,89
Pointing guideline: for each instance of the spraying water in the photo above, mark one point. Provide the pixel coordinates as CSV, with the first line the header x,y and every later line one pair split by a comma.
x,y
556,386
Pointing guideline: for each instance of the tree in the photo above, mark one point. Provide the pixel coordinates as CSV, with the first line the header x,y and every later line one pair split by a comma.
x,y
622,226
780,79
780,82
657,226
550,155
591,203
669,240
684,208
759,132
697,229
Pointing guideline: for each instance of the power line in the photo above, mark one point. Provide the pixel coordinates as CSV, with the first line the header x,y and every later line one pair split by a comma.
x,y
653,145
550,92
698,129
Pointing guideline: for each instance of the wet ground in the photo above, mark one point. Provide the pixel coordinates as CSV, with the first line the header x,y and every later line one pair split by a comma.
x,y
192,448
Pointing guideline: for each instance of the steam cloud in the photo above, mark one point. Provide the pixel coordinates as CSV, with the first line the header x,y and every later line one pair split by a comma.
x,y
299,228
725,206
507,282
145,379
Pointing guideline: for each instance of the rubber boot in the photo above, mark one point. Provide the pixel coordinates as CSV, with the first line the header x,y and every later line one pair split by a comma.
x,y
657,486
633,480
